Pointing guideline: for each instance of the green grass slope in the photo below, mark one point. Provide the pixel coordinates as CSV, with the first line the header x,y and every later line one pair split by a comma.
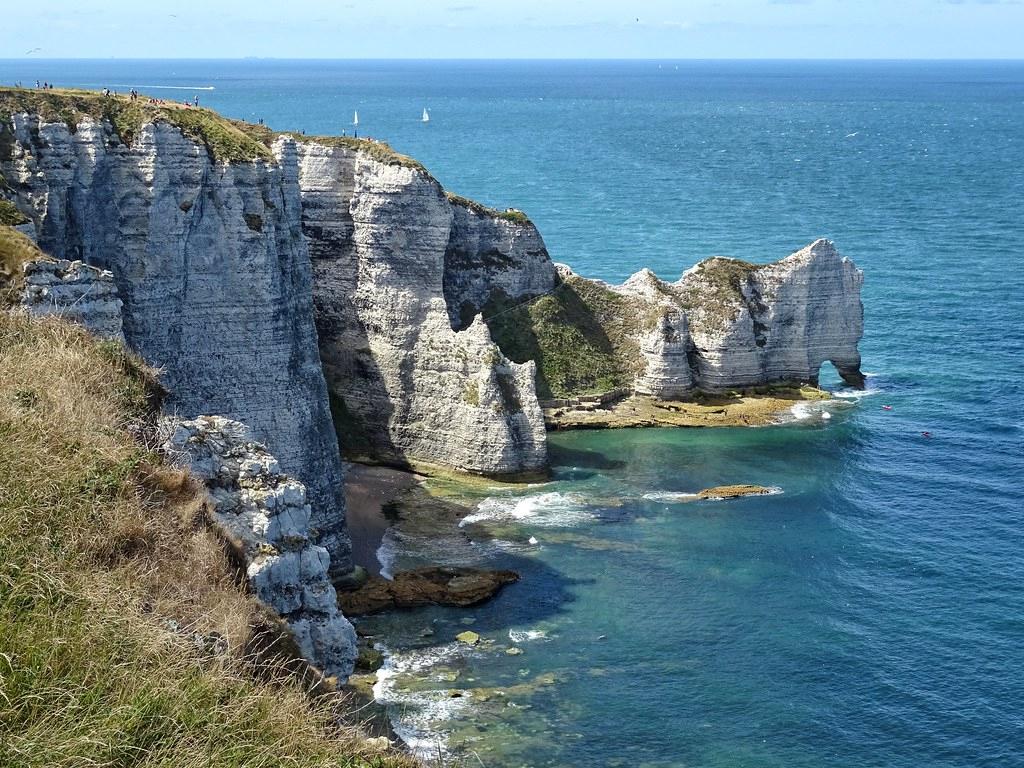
x,y
583,336
108,575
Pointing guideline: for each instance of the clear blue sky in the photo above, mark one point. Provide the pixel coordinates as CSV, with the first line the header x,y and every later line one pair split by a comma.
x,y
515,29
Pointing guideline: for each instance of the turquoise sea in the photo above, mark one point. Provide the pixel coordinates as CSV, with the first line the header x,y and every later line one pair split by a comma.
x,y
870,614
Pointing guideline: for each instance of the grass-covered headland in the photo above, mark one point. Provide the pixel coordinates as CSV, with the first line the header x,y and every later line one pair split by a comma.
x,y
125,638
226,140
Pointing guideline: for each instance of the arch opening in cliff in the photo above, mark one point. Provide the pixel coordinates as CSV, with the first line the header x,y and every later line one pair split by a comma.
x,y
834,374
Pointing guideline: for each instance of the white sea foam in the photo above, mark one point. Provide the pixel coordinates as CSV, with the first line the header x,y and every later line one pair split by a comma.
x,y
813,410
418,716
856,394
549,510
386,553
669,496
526,635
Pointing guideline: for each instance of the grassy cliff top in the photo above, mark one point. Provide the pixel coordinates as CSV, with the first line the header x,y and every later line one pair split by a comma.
x,y
378,150
226,140
126,638
517,217
716,286
221,136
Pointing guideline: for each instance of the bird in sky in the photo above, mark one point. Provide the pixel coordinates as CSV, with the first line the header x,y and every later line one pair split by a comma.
x,y
33,50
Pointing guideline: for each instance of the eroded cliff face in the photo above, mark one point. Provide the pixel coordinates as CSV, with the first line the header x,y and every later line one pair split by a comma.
x,y
409,382
756,324
725,324
264,516
211,266
75,291
491,254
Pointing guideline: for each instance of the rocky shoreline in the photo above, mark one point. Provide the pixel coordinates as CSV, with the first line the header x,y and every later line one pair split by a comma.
x,y
755,407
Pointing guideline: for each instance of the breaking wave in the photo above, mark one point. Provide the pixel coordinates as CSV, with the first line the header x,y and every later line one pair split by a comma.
x,y
526,635
669,496
417,715
547,510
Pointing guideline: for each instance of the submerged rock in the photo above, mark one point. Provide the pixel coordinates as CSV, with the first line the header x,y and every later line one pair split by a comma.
x,y
468,637
458,587
735,491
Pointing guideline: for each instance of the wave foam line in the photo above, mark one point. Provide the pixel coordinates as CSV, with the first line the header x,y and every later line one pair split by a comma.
x,y
552,510
416,715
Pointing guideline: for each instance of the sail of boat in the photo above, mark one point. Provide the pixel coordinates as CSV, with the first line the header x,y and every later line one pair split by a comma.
x,y
355,119
426,115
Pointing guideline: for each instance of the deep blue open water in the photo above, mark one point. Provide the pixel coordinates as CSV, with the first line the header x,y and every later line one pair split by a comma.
x,y
871,614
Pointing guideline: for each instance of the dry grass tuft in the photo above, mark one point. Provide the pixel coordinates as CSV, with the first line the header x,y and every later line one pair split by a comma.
x,y
124,637
15,250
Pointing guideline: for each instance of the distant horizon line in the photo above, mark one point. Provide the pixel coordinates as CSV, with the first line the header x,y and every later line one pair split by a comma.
x,y
516,59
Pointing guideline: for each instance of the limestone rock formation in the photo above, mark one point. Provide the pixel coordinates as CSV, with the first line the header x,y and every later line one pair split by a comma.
x,y
756,324
211,265
76,292
492,254
265,517
724,325
408,382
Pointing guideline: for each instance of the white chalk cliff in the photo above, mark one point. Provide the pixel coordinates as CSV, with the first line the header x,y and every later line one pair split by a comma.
x,y
327,289
726,324
406,383
327,283
212,269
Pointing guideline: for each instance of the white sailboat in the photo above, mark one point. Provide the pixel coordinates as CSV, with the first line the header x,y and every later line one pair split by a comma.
x,y
426,116
355,119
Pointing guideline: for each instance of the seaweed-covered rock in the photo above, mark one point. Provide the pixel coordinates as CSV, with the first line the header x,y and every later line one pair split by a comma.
x,y
459,587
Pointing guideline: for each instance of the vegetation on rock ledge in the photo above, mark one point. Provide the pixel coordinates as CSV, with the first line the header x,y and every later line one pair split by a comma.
x,y
10,216
15,250
511,214
583,337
